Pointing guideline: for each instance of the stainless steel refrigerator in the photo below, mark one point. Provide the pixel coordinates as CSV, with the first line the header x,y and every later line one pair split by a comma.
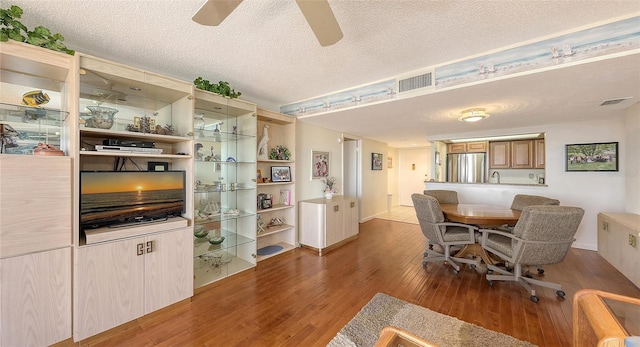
x,y
466,167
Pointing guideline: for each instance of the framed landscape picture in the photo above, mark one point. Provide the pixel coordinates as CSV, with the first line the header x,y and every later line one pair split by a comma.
x,y
601,156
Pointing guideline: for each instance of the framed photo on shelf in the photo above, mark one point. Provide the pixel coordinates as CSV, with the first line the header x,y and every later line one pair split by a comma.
x,y
280,174
320,164
601,156
376,161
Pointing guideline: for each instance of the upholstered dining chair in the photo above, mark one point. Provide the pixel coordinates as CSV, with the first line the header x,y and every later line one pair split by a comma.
x,y
520,201
443,196
543,235
445,234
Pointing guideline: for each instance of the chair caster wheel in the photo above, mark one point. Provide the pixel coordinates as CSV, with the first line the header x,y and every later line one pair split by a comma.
x,y
489,272
560,293
528,276
490,283
456,272
424,263
508,269
540,271
534,298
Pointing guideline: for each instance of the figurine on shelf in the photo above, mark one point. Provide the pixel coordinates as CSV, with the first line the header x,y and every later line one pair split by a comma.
x,y
260,224
198,150
263,153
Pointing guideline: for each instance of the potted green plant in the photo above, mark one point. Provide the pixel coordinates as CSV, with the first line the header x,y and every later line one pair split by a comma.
x,y
12,28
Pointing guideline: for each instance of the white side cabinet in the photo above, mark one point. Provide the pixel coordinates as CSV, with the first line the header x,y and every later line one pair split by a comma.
x,y
616,235
122,280
328,223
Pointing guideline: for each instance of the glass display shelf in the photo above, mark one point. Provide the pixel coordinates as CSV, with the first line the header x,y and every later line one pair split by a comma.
x,y
275,208
231,240
217,265
268,230
218,217
22,128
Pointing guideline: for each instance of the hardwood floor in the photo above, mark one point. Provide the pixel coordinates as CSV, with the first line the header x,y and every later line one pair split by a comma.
x,y
300,299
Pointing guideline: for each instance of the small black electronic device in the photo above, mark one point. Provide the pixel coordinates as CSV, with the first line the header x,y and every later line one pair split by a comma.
x,y
129,143
158,166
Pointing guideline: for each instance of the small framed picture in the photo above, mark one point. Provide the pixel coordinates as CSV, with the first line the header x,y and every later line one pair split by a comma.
x,y
280,174
376,161
319,164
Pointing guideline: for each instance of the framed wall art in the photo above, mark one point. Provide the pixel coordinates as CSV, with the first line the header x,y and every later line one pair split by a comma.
x,y
320,164
376,161
280,174
601,156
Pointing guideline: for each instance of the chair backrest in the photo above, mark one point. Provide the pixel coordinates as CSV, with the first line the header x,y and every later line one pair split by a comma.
x,y
520,201
557,224
443,196
428,211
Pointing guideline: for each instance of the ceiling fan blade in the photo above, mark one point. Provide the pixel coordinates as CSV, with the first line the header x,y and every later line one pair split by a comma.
x,y
213,12
321,20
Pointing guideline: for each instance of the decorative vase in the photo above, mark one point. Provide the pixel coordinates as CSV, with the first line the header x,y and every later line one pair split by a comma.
x,y
328,195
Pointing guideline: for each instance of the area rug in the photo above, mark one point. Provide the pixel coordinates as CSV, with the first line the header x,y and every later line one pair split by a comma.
x,y
439,329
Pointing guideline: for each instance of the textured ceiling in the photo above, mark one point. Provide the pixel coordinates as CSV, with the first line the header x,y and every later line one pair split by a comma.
x,y
266,50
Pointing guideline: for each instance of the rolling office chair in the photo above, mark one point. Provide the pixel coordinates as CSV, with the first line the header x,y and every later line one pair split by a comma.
x,y
443,196
446,234
543,235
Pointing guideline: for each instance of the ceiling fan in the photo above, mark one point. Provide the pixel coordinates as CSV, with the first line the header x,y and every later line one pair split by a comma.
x,y
317,12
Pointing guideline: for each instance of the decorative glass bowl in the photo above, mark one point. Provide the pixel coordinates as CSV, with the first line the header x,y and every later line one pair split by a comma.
x,y
216,240
101,117
199,231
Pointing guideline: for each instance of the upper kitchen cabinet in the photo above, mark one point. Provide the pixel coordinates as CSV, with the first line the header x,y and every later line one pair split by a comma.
x,y
522,154
539,154
500,155
37,95
467,147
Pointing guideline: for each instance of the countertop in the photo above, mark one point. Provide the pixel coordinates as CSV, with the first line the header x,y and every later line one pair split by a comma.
x,y
493,184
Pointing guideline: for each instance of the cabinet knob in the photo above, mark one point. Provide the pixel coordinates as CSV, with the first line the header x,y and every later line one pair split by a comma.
x,y
140,249
353,204
336,208
150,247
605,226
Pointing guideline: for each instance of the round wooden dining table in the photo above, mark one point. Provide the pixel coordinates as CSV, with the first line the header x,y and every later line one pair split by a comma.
x,y
480,215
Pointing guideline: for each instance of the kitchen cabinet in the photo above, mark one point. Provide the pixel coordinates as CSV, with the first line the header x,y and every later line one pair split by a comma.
x,y
539,154
328,223
500,155
122,280
618,242
225,190
522,154
278,222
467,147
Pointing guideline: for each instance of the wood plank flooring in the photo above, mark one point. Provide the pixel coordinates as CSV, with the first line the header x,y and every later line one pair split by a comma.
x,y
300,299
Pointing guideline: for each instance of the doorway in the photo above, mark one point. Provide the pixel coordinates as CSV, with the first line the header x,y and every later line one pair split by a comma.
x,y
352,168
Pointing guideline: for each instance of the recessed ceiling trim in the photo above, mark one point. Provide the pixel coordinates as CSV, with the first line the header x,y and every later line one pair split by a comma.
x,y
501,138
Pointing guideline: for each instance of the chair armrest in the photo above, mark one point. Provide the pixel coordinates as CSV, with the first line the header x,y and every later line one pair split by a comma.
x,y
453,224
503,233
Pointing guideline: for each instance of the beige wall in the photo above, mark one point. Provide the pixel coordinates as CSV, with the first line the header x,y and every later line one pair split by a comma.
x,y
632,158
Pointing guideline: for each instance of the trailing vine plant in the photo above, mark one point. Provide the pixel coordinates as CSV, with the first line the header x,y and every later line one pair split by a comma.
x,y
221,87
12,28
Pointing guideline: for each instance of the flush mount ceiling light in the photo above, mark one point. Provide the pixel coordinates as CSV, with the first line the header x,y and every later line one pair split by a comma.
x,y
474,115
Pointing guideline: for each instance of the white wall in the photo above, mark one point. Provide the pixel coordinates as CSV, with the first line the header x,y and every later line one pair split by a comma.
x,y
593,191
392,175
413,177
631,157
374,182
310,138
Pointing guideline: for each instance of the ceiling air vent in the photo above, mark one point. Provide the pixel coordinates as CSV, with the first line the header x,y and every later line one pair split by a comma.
x,y
613,101
415,82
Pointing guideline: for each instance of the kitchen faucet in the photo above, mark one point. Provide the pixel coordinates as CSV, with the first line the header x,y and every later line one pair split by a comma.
x,y
493,175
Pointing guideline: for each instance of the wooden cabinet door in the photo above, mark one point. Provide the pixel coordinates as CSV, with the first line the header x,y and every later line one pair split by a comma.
x,y
334,224
476,147
312,224
522,154
457,148
36,203
110,286
350,218
539,154
35,299
168,262
500,155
